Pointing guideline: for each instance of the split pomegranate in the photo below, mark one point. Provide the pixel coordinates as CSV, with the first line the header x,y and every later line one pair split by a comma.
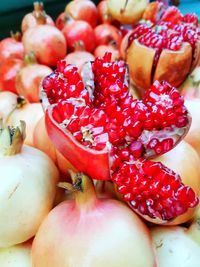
x,y
103,14
106,34
127,11
95,232
8,72
16,256
46,42
30,113
79,33
167,52
11,48
97,125
37,17
184,160
28,186
193,136
79,58
29,78
82,10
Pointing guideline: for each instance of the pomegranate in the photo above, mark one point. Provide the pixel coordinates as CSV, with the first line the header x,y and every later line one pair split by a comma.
x,y
8,103
184,160
46,42
82,10
190,89
11,48
106,34
28,187
97,125
103,14
8,72
124,45
79,33
193,136
167,52
37,17
157,11
175,246
16,256
127,11
29,78
102,49
79,58
61,20
87,223
30,113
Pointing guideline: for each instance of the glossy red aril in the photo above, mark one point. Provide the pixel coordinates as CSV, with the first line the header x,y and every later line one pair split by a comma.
x,y
97,125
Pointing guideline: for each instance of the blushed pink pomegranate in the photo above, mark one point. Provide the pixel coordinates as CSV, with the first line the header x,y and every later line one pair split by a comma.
x,y
79,33
61,20
11,48
103,14
96,124
82,10
37,17
106,34
46,42
102,49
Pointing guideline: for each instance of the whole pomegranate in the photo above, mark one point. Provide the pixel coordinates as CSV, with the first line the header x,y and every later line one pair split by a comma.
x,y
82,10
103,14
96,124
90,224
79,58
30,113
79,33
28,187
8,103
8,73
102,49
46,42
16,256
37,17
175,246
127,12
61,20
190,89
29,78
184,160
166,52
106,34
11,48
193,136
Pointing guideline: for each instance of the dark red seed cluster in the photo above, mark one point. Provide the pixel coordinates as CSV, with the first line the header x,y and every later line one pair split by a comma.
x,y
153,189
105,116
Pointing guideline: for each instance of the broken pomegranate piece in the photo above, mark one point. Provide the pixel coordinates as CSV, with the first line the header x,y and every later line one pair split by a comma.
x,y
169,49
96,124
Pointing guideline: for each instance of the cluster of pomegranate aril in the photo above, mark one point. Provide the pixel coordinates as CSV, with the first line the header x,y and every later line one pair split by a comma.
x,y
110,119
153,189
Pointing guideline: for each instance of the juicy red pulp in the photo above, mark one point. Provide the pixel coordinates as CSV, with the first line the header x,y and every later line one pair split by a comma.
x,y
101,114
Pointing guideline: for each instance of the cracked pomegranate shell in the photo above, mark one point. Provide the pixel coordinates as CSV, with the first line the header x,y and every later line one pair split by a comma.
x,y
165,51
96,124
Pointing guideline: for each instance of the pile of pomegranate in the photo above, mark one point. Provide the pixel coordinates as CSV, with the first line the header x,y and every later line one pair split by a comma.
x,y
100,137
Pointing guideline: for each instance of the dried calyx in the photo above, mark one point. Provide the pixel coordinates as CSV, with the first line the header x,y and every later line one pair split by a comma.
x,y
94,121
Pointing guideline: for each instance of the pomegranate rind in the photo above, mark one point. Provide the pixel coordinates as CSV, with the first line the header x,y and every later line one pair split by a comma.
x,y
196,56
153,11
91,162
174,66
140,61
